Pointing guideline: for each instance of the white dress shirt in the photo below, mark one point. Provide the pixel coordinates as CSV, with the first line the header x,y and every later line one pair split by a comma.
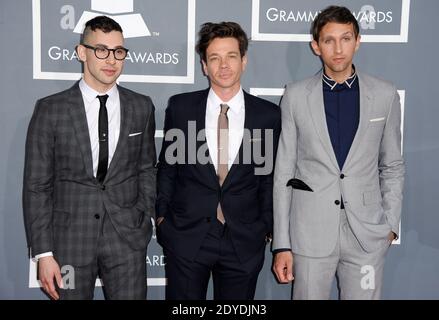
x,y
236,116
92,105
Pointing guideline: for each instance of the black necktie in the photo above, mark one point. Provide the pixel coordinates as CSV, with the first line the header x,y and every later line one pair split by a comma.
x,y
103,139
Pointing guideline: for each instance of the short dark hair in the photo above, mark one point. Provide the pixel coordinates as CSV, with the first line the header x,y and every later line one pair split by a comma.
x,y
333,14
209,31
103,23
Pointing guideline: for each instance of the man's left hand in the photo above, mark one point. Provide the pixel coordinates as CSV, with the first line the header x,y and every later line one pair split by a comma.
x,y
392,236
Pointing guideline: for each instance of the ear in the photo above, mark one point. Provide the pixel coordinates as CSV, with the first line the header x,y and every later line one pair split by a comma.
x,y
244,62
315,47
80,51
357,44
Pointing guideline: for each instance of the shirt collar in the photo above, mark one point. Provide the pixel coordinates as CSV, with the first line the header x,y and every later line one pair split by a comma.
x,y
236,104
90,94
331,83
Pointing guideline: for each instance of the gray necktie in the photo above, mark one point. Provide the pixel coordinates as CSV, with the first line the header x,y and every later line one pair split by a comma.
x,y
223,153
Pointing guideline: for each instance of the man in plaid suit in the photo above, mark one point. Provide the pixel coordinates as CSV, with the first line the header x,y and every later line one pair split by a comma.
x,y
89,180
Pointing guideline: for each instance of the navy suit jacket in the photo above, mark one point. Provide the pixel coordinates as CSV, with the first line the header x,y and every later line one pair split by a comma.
x,y
188,193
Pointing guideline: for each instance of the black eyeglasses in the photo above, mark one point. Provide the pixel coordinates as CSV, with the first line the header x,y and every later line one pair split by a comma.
x,y
103,52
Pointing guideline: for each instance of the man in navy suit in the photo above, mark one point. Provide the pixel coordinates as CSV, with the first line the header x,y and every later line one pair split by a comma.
x,y
214,208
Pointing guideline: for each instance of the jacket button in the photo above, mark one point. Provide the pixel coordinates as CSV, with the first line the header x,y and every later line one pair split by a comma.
x,y
97,216
342,176
337,202
208,219
103,187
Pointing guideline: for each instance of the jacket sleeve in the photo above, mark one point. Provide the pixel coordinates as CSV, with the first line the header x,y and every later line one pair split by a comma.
x,y
391,165
147,165
38,180
284,170
266,180
167,171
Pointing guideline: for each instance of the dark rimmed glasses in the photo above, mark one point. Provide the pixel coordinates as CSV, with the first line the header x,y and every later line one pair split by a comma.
x,y
102,52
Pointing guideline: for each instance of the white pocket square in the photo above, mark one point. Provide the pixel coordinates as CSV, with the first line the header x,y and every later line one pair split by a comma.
x,y
377,119
135,134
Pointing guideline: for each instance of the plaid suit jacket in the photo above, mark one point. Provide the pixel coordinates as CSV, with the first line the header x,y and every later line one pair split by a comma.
x,y
63,202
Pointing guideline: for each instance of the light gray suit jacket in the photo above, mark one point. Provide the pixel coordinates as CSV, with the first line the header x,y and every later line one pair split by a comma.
x,y
308,222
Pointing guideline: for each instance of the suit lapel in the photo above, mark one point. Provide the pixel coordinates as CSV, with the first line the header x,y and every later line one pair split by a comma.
x,y
249,125
317,110
366,103
79,122
209,168
126,114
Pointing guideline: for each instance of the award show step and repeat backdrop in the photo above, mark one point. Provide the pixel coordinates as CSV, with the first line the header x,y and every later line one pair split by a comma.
x,y
399,44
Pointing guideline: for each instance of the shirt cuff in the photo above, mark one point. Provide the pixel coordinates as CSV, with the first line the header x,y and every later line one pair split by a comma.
x,y
42,255
280,250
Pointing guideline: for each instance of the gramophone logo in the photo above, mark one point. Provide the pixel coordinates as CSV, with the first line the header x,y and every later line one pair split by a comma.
x,y
132,24
160,36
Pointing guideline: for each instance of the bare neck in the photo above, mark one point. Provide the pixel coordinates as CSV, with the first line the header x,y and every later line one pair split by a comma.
x,y
98,86
226,94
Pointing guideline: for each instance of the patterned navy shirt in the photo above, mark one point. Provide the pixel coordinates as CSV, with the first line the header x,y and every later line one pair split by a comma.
x,y
342,109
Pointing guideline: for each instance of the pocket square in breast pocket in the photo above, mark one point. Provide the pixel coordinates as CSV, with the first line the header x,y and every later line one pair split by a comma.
x,y
135,134
298,184
377,119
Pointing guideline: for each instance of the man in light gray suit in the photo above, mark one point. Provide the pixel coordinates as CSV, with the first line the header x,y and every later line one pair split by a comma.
x,y
89,180
339,172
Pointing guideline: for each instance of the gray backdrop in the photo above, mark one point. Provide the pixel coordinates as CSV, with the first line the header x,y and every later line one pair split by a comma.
x,y
400,46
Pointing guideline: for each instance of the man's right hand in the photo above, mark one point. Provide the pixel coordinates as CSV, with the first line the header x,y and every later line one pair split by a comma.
x,y
48,269
283,266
